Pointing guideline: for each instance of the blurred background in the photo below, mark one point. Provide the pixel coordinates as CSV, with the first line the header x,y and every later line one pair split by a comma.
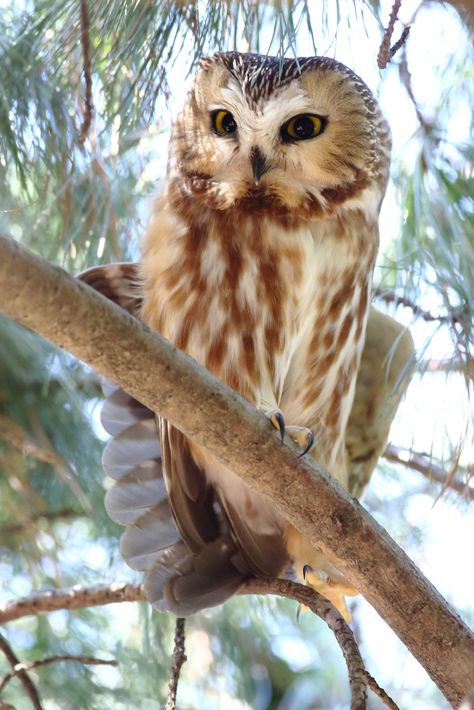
x,y
79,205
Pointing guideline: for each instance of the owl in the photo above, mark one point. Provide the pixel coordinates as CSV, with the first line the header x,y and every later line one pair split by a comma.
x,y
258,262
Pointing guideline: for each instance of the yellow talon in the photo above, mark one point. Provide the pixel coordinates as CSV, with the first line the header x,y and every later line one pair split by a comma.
x,y
333,591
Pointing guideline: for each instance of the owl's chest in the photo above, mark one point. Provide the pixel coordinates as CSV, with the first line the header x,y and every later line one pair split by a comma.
x,y
235,301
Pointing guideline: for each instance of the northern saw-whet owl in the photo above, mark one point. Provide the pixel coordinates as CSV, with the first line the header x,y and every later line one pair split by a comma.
x,y
258,262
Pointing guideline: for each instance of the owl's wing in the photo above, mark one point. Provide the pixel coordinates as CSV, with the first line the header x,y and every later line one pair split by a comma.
x,y
176,531
119,283
387,364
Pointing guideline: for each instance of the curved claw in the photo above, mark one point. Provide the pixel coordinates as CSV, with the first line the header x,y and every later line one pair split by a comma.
x,y
306,570
302,436
278,421
309,444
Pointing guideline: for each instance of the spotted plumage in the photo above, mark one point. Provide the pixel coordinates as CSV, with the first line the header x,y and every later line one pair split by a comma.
x,y
258,262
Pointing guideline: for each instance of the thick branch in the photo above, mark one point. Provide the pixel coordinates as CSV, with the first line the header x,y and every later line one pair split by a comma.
x,y
68,313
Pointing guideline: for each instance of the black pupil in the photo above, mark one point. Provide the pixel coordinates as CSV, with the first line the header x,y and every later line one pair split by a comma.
x,y
228,123
303,127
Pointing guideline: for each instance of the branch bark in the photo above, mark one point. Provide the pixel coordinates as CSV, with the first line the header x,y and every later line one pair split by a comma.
x,y
71,598
79,597
20,668
28,684
429,469
177,660
46,299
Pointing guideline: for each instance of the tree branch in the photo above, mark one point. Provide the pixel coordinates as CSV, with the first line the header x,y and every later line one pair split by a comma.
x,y
386,52
20,668
457,315
71,598
50,515
359,678
28,684
46,299
177,660
80,597
424,465
87,71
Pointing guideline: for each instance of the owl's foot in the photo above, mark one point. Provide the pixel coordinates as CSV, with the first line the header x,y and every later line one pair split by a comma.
x,y
335,591
278,421
302,436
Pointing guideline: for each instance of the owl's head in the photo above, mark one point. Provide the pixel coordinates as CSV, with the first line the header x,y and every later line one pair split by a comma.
x,y
269,135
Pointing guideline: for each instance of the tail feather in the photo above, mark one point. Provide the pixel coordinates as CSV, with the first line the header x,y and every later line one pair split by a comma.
x,y
143,547
136,495
134,446
177,579
119,409
201,580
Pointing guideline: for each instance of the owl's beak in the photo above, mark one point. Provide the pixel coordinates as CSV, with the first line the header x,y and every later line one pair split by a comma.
x,y
259,163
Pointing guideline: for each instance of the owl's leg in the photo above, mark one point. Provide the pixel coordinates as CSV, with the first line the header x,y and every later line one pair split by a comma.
x,y
302,436
315,570
334,589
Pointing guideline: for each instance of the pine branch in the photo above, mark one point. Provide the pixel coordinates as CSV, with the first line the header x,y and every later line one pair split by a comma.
x,y
27,523
386,52
46,299
428,468
87,71
177,660
77,598
20,668
28,684
359,678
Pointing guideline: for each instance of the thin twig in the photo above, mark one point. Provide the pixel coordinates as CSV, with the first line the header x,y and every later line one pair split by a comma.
x,y
375,688
19,668
87,71
177,660
70,598
458,316
399,43
358,676
447,365
15,435
50,515
424,465
28,684
384,50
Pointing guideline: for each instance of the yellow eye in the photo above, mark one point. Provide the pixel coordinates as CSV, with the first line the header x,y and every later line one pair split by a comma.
x,y
223,122
302,127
